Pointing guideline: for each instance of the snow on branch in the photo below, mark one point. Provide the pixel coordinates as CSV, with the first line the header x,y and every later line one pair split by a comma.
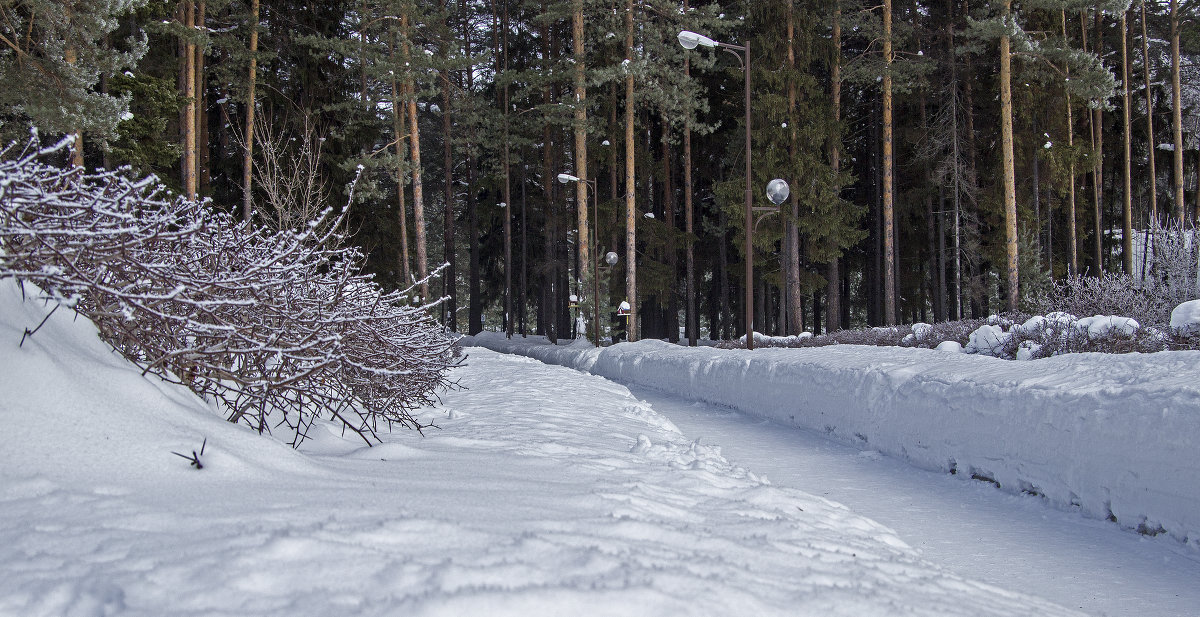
x,y
281,328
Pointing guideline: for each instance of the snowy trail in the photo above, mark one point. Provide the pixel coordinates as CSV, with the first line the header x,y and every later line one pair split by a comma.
x,y
1015,542
546,492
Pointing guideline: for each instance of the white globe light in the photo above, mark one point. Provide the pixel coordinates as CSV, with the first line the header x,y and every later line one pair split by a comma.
x,y
778,191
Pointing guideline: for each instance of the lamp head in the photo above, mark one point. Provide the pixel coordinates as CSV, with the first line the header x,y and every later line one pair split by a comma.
x,y
777,191
565,178
611,258
690,40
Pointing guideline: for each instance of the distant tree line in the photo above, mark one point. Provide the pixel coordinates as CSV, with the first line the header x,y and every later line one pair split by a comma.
x,y
946,159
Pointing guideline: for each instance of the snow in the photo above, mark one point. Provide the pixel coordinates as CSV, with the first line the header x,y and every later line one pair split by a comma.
x,y
545,491
987,339
1186,317
1112,435
1013,541
1104,326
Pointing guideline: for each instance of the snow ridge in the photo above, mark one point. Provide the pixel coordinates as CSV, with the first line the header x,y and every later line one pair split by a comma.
x,y
1113,435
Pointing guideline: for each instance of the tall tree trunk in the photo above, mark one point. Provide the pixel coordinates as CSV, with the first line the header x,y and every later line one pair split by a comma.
x,y
248,154
943,309
931,227
874,268
508,207
889,226
187,78
1127,176
955,312
794,323
1176,114
522,298
450,251
1010,175
1072,232
550,290
692,318
203,178
630,185
833,302
726,311
449,248
579,104
1151,145
475,302
398,113
418,186
1097,122
672,303
1036,169
71,57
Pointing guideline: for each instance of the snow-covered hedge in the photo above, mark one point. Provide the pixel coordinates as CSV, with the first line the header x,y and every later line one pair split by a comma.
x,y
279,327
1114,435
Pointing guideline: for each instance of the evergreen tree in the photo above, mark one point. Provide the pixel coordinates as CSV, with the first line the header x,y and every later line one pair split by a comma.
x,y
53,55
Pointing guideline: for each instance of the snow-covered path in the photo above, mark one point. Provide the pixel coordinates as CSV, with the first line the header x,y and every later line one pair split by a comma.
x,y
546,492
1012,541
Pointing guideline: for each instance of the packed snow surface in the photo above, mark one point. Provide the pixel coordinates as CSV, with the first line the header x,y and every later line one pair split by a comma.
x,y
545,491
1114,435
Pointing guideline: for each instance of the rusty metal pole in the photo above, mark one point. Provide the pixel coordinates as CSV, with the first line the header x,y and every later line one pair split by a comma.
x,y
596,253
690,40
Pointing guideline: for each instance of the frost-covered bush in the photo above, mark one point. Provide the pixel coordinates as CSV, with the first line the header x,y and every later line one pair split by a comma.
x,y
281,328
1171,278
916,335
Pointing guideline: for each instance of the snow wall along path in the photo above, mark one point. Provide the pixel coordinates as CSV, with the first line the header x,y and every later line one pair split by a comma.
x,y
1115,435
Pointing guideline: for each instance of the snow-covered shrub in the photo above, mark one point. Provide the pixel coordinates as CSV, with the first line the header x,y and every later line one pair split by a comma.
x,y
952,346
1028,350
1170,279
281,328
989,340
1185,318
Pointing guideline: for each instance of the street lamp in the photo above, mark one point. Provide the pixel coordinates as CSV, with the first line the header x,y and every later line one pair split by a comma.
x,y
507,269
611,257
690,40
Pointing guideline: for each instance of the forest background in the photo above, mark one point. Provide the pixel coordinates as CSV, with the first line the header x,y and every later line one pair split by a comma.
x,y
946,159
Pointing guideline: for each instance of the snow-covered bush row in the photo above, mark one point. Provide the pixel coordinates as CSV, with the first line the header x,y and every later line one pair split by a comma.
x,y
1171,277
281,328
1059,332
1113,435
1022,338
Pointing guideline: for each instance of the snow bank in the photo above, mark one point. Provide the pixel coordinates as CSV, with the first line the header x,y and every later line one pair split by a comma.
x,y
1115,435
1186,317
546,492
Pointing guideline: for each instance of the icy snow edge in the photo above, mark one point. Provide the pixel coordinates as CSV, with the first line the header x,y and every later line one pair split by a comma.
x,y
1114,435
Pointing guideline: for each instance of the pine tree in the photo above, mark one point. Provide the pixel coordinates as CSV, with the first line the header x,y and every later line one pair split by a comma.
x,y
52,57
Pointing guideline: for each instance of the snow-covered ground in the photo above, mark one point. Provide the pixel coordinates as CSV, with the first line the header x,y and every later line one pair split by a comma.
x,y
1009,540
545,491
1114,435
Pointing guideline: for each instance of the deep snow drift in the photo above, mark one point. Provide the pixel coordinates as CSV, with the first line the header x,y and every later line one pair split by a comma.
x,y
546,491
1115,435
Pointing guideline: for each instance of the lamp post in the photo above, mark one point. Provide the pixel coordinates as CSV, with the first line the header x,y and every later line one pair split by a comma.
x,y
565,178
508,330
690,40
